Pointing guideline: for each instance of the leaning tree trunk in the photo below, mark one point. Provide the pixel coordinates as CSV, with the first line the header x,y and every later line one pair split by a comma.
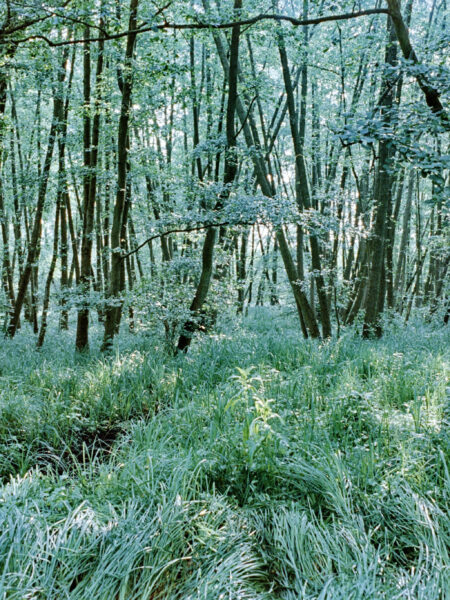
x,y
262,179
230,170
430,92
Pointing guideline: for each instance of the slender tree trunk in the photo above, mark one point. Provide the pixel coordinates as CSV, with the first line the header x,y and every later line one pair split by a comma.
x,y
273,290
267,188
63,194
34,243
400,274
230,171
241,270
6,54
48,283
91,142
302,189
251,272
117,243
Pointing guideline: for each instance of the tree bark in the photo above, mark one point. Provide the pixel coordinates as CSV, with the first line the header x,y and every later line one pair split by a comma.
x,y
119,216
230,170
34,243
382,200
303,196
91,142
402,34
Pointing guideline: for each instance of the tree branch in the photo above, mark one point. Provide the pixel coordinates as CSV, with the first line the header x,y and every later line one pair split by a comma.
x,y
186,230
430,92
200,25
10,27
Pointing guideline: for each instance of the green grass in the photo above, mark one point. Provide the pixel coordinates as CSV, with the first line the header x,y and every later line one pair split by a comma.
x,y
258,466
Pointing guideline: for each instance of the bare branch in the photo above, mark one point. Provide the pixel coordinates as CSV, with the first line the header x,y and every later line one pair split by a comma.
x,y
10,27
201,25
185,230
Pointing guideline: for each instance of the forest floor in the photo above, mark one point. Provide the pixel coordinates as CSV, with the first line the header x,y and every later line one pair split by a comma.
x,y
257,466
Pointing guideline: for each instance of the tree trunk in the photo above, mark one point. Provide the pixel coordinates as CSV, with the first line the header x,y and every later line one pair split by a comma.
x,y
402,34
117,243
382,199
230,170
34,243
303,196
48,283
91,141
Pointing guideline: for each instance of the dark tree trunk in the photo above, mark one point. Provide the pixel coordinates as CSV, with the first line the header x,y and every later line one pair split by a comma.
x,y
119,216
382,199
230,170
34,243
91,141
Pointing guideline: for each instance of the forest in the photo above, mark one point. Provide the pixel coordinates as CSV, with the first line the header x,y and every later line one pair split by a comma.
x,y
224,299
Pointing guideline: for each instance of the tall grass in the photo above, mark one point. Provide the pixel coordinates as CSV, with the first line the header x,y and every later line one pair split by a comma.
x,y
258,466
